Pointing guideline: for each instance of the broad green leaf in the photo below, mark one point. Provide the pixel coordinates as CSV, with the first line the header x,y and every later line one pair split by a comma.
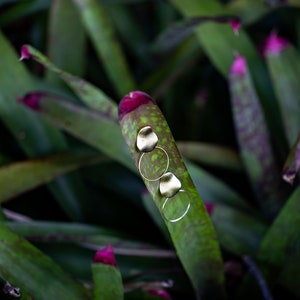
x,y
35,136
193,234
285,73
31,270
289,276
253,138
92,127
88,236
107,282
65,29
280,243
99,28
281,239
88,93
212,155
19,177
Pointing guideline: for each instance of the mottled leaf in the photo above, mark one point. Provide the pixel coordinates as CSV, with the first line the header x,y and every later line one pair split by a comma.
x,y
193,234
253,138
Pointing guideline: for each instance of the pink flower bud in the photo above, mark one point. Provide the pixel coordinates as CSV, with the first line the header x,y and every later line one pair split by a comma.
x,y
32,100
275,44
132,102
24,53
235,25
239,65
209,207
105,256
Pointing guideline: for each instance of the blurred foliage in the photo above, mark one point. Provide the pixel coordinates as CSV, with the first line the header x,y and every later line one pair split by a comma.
x,y
68,184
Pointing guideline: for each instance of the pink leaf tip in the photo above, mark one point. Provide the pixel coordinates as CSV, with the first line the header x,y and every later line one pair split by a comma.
x,y
32,100
132,101
209,207
275,44
105,256
239,65
25,54
235,25
160,293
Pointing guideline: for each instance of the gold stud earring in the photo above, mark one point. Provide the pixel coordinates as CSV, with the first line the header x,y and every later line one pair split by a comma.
x,y
146,143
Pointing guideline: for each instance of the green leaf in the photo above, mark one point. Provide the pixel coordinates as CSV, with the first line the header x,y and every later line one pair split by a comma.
x,y
285,73
17,178
253,138
280,243
87,236
249,11
220,43
65,30
281,239
27,129
289,276
193,235
88,93
213,190
99,28
211,155
28,268
105,135
238,232
179,31
107,282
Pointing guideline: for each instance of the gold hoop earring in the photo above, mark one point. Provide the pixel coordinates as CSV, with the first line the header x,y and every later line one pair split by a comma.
x,y
180,217
162,173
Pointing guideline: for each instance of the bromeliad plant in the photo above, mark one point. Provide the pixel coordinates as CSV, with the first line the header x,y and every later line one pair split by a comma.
x,y
170,170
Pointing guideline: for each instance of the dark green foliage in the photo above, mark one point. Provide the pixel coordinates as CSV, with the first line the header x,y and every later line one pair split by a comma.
x,y
69,186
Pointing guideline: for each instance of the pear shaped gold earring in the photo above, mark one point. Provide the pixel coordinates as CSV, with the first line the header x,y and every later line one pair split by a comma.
x,y
146,142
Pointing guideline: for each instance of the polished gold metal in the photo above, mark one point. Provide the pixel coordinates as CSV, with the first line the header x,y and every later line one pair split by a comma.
x,y
164,171
173,199
146,139
169,185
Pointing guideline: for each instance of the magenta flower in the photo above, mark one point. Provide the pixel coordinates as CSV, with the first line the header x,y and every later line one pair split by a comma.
x,y
239,65
209,207
24,53
235,25
132,101
160,293
32,99
105,256
275,44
